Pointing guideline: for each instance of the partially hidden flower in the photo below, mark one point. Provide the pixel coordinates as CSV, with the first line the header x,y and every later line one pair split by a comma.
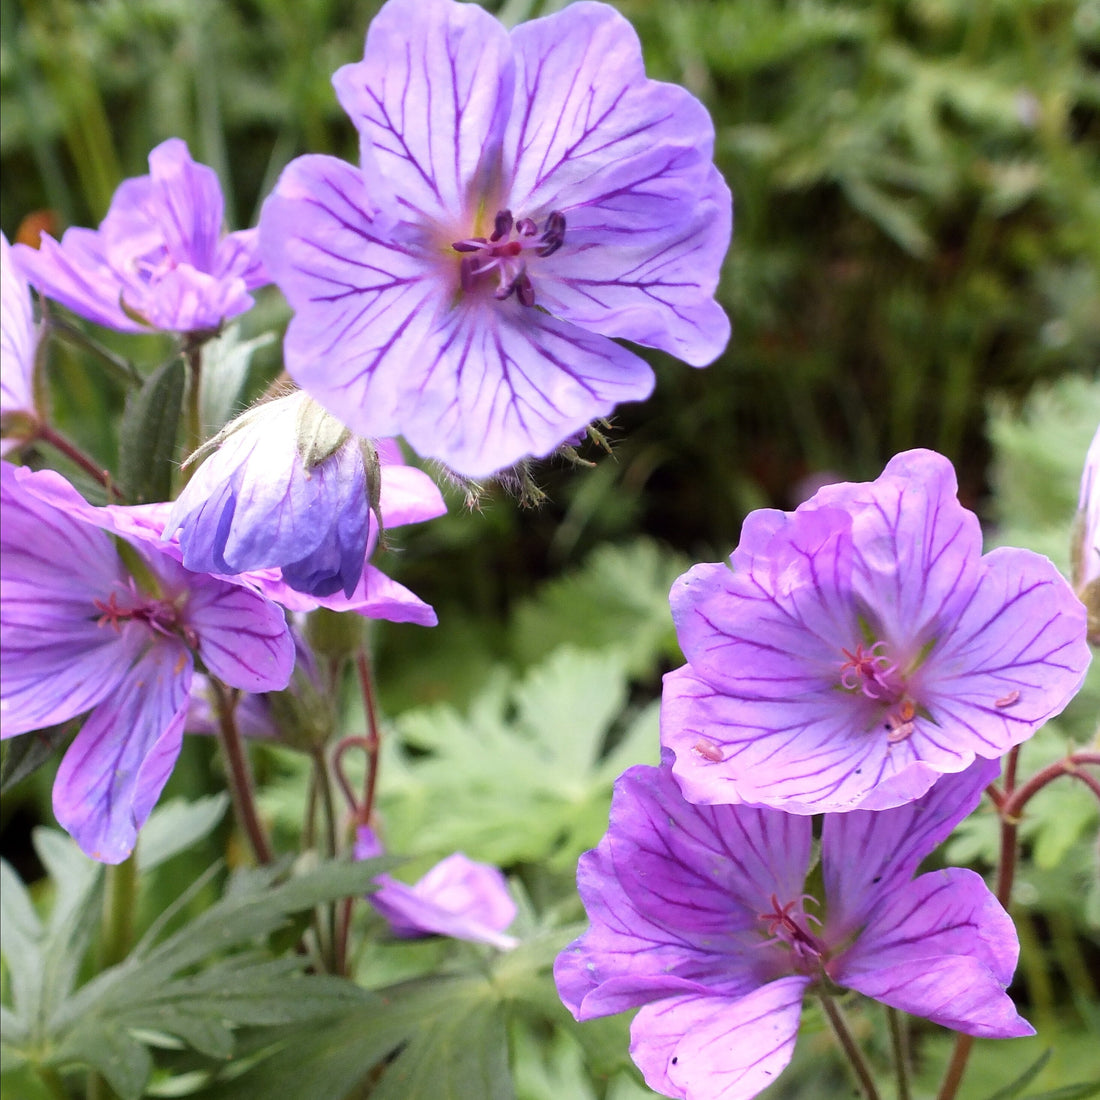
x,y
288,487
94,621
522,199
856,649
1086,548
709,918
18,349
458,897
160,258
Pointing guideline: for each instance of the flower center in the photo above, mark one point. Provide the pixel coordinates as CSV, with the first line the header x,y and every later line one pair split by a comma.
x,y
870,672
507,251
160,616
789,924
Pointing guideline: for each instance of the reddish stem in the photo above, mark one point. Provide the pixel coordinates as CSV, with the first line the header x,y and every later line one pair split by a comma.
x,y
374,739
71,451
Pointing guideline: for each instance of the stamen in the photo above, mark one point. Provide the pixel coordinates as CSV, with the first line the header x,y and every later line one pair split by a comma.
x,y
526,227
471,244
502,226
525,291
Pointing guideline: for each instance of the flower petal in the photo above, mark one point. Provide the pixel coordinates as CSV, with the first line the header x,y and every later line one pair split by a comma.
x,y
498,381
806,754
362,295
940,947
113,772
628,162
18,336
1015,657
716,1048
891,844
243,638
918,548
430,99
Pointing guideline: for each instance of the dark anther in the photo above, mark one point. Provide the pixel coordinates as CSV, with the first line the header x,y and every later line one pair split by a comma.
x,y
525,291
502,226
474,244
525,227
553,236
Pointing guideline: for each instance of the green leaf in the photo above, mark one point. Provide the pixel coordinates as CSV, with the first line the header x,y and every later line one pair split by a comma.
x,y
147,434
174,826
1009,1092
534,752
122,1059
20,942
26,754
225,364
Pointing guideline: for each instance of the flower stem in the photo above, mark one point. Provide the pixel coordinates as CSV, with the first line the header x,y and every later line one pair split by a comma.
x,y
119,901
956,1068
71,451
899,1043
334,956
374,738
192,354
849,1046
238,772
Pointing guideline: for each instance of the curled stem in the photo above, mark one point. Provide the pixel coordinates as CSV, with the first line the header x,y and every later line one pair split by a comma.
x,y
120,369
850,1047
374,738
239,774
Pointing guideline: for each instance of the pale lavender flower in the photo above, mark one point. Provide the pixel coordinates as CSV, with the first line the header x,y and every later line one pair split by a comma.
x,y
93,621
458,897
862,646
18,348
522,198
160,258
708,918
287,486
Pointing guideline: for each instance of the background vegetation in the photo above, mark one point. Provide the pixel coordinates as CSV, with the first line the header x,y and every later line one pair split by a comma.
x,y
916,262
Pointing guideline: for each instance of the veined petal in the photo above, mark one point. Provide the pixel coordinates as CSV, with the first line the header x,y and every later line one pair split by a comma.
x,y
239,256
940,947
18,338
717,1048
814,753
502,381
190,198
774,631
892,844
364,296
918,548
76,274
430,98
243,638
627,161
113,772
1014,657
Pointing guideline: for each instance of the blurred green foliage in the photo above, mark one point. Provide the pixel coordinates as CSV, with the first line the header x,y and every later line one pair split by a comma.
x,y
917,242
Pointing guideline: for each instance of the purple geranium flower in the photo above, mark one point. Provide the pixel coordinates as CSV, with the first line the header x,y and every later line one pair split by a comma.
x,y
862,646
521,198
1086,546
701,915
111,626
457,897
18,347
159,258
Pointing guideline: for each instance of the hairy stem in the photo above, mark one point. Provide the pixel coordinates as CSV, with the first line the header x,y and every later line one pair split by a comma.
x,y
850,1047
374,738
119,900
238,772
192,354
956,1068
